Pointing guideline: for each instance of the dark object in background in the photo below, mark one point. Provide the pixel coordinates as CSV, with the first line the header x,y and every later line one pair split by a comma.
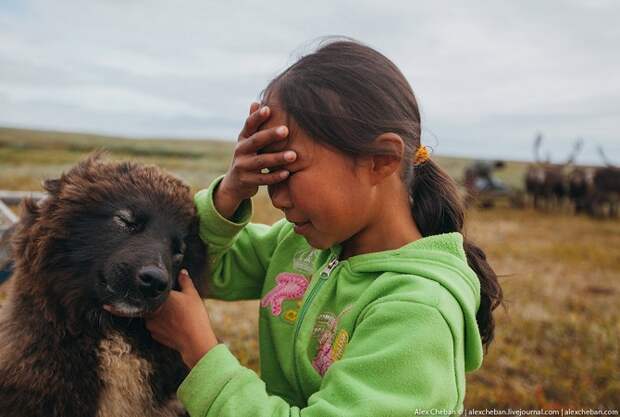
x,y
6,263
484,189
479,176
606,191
6,270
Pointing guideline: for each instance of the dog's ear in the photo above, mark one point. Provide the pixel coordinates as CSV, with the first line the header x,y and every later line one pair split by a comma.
x,y
29,212
81,169
196,258
93,159
52,186
24,235
6,251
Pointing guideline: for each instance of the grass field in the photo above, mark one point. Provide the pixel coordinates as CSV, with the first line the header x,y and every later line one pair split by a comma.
x,y
557,342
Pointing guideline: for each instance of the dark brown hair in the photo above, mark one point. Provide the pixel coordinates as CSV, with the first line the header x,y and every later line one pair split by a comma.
x,y
345,95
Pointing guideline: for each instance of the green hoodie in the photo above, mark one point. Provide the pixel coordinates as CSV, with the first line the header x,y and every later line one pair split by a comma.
x,y
388,333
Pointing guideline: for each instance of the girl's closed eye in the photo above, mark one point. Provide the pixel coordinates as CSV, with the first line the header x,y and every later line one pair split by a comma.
x,y
292,172
275,169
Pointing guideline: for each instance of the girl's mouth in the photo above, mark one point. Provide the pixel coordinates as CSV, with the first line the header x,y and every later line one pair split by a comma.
x,y
301,227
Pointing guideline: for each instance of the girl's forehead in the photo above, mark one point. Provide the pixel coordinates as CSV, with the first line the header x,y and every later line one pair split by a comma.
x,y
307,149
297,140
277,114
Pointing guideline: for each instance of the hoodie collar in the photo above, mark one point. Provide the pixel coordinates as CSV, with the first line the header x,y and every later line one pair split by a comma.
x,y
447,243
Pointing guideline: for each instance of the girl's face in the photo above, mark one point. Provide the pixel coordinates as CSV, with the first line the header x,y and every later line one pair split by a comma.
x,y
325,193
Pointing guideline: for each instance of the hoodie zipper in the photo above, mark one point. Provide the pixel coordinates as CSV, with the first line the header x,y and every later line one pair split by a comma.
x,y
322,279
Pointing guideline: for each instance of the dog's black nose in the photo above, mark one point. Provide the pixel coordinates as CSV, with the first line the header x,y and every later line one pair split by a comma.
x,y
152,281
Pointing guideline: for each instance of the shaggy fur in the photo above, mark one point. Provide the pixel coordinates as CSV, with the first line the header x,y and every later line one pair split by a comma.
x,y
108,233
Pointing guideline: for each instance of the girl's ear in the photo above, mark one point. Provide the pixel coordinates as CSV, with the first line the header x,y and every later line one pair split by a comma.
x,y
389,161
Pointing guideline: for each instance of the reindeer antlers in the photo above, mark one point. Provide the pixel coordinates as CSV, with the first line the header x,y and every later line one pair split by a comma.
x,y
604,157
577,146
537,143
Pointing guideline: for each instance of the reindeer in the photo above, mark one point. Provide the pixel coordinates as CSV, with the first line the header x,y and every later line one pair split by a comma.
x,y
535,175
581,189
554,185
546,182
580,185
606,187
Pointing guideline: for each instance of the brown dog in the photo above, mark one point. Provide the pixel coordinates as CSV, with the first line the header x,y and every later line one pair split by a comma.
x,y
112,234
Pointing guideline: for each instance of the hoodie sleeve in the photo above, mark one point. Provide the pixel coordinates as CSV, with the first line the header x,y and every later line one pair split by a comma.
x,y
400,359
239,251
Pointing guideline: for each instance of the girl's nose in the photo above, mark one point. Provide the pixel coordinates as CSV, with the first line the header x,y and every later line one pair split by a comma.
x,y
280,197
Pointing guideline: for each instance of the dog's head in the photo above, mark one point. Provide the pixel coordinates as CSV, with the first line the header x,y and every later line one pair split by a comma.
x,y
110,233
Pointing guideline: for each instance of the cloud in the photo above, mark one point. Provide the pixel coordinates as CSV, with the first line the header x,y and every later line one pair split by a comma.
x,y
488,76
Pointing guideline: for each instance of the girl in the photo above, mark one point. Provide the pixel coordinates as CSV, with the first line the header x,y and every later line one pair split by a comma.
x,y
372,302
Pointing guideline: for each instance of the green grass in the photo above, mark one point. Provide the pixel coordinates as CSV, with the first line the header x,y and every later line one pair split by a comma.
x,y
28,156
556,344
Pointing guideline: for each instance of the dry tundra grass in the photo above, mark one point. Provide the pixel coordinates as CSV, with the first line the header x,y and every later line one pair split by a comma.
x,y
557,342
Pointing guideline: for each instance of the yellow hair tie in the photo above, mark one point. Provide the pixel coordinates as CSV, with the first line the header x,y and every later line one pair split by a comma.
x,y
421,155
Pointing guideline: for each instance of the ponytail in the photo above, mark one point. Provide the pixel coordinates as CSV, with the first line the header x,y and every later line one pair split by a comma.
x,y
437,208
435,202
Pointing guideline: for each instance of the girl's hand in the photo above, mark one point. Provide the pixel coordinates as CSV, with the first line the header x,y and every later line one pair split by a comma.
x,y
244,175
182,323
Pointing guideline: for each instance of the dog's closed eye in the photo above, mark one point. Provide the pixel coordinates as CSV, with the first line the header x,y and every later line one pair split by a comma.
x,y
126,220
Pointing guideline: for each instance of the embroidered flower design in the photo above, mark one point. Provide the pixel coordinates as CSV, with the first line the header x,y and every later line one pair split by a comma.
x,y
290,315
329,350
323,359
304,260
338,347
288,287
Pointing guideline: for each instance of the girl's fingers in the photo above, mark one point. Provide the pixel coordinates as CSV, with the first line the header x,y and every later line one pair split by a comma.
x,y
266,179
253,107
186,283
268,160
261,139
253,121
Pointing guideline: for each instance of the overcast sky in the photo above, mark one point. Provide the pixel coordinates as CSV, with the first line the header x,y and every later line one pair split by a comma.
x,y
488,75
